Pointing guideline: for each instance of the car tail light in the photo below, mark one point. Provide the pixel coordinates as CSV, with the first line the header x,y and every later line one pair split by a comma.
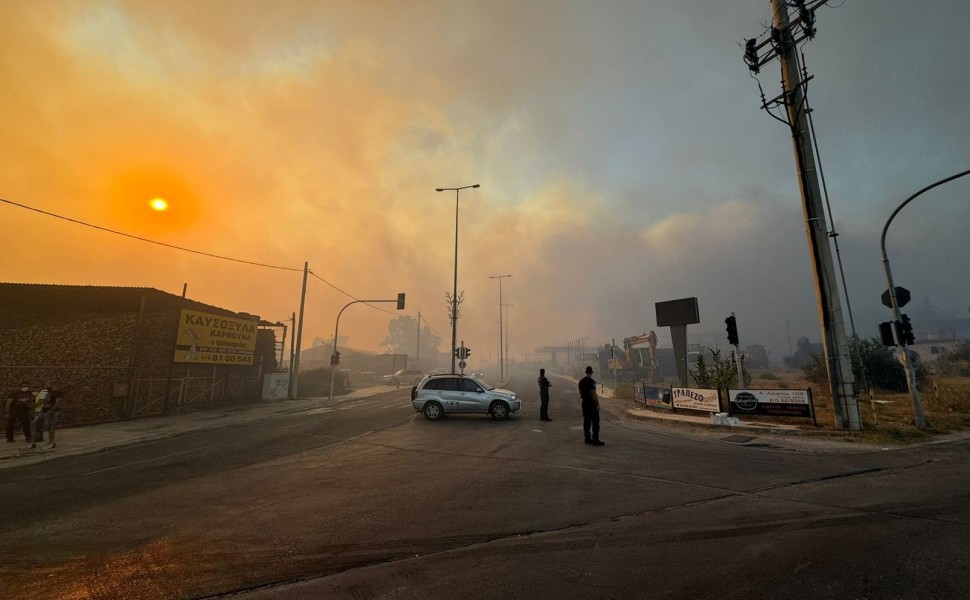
x,y
414,392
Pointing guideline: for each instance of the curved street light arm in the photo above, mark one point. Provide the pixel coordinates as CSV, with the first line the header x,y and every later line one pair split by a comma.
x,y
920,417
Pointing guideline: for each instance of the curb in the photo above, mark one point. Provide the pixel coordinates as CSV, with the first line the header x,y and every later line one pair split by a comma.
x,y
750,428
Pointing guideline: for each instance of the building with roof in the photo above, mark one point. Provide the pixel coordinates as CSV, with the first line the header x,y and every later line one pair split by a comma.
x,y
116,350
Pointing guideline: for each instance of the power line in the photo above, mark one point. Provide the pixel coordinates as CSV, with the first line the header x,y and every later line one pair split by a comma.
x,y
183,249
141,239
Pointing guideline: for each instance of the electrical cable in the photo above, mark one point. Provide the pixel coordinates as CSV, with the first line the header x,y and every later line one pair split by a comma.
x,y
141,239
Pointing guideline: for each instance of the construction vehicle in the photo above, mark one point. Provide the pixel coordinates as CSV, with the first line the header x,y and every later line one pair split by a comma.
x,y
638,359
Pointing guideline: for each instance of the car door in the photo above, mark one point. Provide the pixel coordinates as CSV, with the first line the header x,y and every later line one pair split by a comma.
x,y
472,396
451,393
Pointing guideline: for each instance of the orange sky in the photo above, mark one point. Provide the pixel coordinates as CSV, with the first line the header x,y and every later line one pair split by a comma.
x,y
316,131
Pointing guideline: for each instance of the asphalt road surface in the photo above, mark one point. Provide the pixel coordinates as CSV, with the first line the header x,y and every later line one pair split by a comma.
x,y
365,499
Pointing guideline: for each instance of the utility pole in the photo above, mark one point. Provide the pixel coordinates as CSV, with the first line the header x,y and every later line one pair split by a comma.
x,y
782,41
295,373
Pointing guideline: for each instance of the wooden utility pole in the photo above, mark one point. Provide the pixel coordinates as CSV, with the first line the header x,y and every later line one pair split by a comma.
x,y
782,42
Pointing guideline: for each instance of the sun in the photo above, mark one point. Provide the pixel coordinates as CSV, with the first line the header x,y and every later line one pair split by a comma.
x,y
159,204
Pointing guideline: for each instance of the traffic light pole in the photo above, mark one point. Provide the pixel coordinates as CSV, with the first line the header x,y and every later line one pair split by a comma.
x,y
919,417
335,356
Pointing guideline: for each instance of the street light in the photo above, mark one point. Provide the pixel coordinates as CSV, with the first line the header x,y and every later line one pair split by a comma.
x,y
454,291
335,356
919,417
501,365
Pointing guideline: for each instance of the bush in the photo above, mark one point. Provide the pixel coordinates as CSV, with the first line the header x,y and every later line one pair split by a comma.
x,y
769,376
882,369
720,374
955,362
316,382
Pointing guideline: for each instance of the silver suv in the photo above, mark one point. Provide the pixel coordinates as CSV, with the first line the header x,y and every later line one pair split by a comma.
x,y
438,395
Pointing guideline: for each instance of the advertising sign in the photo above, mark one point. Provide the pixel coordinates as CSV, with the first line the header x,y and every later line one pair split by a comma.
x,y
775,403
652,395
691,399
214,339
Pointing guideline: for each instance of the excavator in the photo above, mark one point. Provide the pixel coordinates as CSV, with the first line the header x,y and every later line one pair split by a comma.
x,y
635,360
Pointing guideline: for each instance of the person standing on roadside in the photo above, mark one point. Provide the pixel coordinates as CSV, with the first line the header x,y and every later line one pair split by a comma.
x,y
49,413
591,409
19,405
544,386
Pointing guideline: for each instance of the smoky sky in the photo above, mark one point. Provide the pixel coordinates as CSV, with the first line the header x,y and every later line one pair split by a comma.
x,y
621,149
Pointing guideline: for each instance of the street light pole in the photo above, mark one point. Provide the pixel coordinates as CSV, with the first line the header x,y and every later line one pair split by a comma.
x,y
333,367
919,417
501,365
507,337
454,290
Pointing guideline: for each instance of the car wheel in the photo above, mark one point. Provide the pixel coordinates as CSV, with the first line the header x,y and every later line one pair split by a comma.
x,y
499,411
433,411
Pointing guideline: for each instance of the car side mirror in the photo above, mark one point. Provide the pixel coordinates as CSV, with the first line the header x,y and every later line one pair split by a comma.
x,y
480,391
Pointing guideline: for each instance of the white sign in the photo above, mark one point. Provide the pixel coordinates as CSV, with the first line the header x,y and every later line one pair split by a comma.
x,y
771,396
691,399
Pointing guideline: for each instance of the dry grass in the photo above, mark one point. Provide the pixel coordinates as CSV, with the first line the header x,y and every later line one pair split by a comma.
x,y
887,417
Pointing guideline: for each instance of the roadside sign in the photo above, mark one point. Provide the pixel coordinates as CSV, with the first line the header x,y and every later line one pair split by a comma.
x,y
902,297
461,364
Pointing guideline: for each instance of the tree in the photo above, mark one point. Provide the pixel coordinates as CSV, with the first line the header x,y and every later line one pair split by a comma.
x,y
720,374
402,337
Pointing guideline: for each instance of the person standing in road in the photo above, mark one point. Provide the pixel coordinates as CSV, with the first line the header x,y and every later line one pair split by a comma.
x,y
591,409
544,386
19,404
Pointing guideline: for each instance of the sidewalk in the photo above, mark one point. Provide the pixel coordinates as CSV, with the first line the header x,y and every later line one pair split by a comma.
x,y
86,439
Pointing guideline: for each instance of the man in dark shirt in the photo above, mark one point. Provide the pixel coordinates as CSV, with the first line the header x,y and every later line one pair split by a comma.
x,y
19,405
544,386
591,409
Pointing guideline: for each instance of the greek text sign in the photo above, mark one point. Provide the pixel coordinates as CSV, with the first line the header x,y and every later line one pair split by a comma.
x,y
214,339
691,399
778,403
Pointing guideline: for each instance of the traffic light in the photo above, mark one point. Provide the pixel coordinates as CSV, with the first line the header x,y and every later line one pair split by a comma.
x,y
400,301
906,331
458,352
886,333
732,330
335,359
468,352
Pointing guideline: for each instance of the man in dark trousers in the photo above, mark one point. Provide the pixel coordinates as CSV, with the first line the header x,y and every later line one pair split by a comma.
x,y
544,386
591,409
20,403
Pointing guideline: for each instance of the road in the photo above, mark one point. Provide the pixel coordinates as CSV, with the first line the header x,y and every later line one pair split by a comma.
x,y
365,499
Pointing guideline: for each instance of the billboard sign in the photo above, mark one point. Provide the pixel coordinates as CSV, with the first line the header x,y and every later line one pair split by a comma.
x,y
775,403
652,395
215,339
692,399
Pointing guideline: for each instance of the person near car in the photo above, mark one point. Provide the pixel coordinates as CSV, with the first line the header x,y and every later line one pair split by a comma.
x,y
18,408
591,409
544,385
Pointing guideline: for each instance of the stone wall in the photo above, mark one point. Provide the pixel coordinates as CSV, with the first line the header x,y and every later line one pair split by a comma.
x,y
96,343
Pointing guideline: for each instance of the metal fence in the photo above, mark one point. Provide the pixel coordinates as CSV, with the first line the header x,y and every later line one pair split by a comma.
x,y
147,396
